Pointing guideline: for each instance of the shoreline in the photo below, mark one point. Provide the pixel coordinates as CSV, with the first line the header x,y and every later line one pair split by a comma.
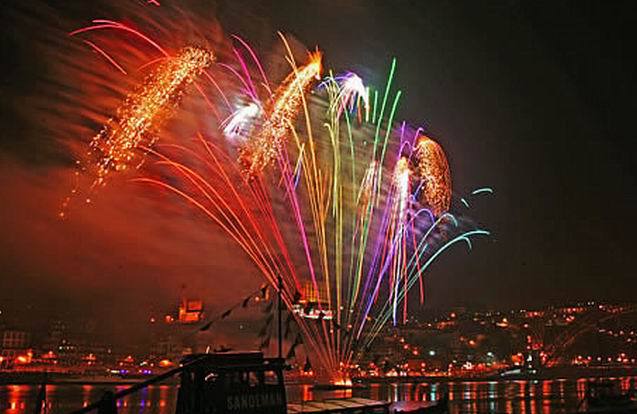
x,y
561,373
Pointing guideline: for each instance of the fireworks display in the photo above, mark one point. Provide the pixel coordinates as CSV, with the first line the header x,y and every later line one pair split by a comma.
x,y
323,189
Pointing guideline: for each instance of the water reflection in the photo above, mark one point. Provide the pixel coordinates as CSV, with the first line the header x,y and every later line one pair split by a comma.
x,y
528,397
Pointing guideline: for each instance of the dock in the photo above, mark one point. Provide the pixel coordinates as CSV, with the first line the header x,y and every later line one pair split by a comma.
x,y
340,405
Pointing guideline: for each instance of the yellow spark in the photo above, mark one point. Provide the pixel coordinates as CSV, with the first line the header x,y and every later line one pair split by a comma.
x,y
143,113
263,149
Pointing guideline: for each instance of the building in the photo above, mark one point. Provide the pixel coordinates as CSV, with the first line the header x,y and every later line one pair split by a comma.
x,y
16,339
190,311
15,348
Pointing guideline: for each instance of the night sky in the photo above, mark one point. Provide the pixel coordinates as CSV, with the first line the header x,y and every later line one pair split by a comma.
x,y
535,99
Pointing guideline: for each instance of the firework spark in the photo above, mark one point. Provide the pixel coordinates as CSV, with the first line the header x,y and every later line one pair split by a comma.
x,y
143,113
287,100
433,169
238,124
351,94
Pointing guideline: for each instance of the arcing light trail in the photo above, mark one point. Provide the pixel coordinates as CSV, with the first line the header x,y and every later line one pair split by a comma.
x,y
313,180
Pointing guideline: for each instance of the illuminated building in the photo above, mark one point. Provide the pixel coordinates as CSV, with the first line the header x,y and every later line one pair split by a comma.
x,y
15,339
58,331
312,304
73,345
15,347
190,311
174,338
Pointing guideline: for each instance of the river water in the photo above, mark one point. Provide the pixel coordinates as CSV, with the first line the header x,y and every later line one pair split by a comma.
x,y
523,397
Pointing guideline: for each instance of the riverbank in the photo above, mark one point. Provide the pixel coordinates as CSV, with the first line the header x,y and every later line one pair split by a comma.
x,y
35,378
569,373
31,378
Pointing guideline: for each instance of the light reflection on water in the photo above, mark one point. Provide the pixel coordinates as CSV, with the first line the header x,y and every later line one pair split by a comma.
x,y
19,399
524,397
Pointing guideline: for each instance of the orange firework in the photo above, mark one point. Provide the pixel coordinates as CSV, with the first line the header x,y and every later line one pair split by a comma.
x,y
286,103
433,169
401,181
143,113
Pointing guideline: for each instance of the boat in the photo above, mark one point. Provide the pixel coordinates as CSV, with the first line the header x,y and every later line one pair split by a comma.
x,y
232,382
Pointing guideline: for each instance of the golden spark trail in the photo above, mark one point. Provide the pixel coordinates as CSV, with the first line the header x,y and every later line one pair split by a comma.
x,y
262,150
143,113
401,181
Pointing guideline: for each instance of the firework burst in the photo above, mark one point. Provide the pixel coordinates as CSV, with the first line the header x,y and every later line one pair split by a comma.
x,y
432,169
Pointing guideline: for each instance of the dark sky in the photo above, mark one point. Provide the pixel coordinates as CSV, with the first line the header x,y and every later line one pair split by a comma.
x,y
535,99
